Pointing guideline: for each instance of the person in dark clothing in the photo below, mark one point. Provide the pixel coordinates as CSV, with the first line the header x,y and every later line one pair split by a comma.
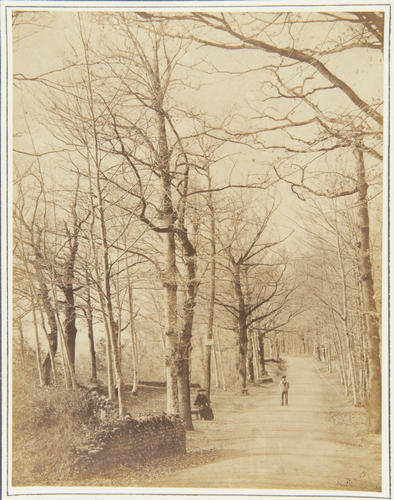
x,y
202,403
285,390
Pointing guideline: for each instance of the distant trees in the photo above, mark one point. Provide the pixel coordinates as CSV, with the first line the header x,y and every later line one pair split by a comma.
x,y
335,280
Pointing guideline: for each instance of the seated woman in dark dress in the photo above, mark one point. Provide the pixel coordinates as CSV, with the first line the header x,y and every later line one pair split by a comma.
x,y
202,404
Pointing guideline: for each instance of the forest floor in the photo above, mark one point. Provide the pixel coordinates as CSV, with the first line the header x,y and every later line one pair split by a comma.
x,y
319,441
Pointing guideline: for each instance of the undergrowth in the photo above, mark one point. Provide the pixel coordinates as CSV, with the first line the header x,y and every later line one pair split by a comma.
x,y
59,434
46,423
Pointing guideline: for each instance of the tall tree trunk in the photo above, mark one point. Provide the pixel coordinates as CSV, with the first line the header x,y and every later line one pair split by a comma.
x,y
110,372
22,343
250,364
216,367
107,299
329,357
339,360
43,296
212,293
108,352
340,350
89,321
277,351
50,352
345,317
119,321
242,329
69,372
133,340
256,363
67,286
184,386
34,300
371,313
112,325
66,371
97,203
37,342
170,283
219,360
242,353
70,329
260,338
364,389
53,332
187,328
171,338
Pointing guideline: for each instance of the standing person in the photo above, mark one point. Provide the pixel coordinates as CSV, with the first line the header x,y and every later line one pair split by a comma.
x,y
285,390
203,406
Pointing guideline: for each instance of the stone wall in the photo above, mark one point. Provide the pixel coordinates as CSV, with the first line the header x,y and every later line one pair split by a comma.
x,y
129,441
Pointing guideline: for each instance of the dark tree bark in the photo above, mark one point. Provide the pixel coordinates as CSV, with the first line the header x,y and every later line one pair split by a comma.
x,y
186,332
70,329
89,320
250,363
66,283
170,283
242,328
260,338
371,313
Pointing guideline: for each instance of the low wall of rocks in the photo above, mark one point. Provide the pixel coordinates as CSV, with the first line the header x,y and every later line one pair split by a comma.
x,y
129,441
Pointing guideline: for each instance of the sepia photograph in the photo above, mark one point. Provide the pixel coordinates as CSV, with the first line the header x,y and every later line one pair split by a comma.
x,y
195,207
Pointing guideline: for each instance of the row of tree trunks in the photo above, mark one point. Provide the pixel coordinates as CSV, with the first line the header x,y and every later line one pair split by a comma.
x,y
34,301
362,376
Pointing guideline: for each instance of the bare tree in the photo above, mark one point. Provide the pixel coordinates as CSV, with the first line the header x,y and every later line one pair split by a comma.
x,y
256,278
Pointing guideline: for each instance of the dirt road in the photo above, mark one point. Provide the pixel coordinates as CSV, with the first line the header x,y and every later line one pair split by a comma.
x,y
317,442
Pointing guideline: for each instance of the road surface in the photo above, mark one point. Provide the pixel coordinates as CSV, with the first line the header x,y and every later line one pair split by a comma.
x,y
317,442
